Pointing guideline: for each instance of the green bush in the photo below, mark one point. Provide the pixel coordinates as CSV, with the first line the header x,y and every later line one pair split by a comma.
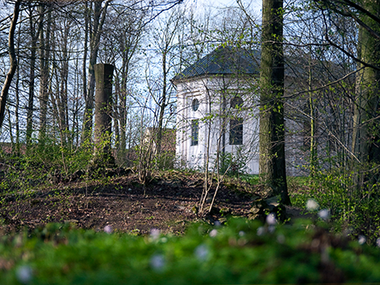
x,y
42,163
350,208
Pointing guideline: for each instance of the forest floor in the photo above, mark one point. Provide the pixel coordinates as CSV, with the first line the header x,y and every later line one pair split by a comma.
x,y
168,203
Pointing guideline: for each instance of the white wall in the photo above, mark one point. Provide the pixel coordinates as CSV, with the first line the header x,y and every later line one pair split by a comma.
x,y
208,91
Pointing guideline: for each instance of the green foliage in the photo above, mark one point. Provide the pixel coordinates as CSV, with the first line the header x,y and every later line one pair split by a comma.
x,y
299,189
252,179
233,164
243,252
42,163
351,208
164,160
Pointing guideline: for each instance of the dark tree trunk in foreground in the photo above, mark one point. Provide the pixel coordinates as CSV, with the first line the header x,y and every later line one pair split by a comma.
x,y
272,131
13,62
366,136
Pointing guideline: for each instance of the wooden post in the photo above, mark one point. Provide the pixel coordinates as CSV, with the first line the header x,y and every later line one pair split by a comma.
x,y
103,120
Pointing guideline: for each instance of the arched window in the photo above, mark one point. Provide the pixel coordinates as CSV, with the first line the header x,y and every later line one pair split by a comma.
x,y
236,102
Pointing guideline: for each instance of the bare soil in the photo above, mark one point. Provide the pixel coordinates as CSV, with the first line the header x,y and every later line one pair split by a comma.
x,y
169,203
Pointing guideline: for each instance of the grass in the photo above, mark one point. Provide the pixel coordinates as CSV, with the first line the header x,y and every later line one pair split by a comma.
x,y
252,179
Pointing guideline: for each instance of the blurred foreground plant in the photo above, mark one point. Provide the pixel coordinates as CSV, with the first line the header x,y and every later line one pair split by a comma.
x,y
242,252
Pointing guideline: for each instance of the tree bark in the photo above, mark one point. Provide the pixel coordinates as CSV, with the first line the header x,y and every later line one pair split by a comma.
x,y
44,70
13,62
163,103
123,112
84,66
17,95
63,98
366,134
103,115
272,129
33,51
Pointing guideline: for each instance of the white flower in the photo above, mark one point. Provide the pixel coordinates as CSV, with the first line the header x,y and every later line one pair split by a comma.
x,y
362,239
201,252
213,233
24,274
155,233
164,240
157,262
311,205
241,233
271,219
108,229
281,238
324,214
260,231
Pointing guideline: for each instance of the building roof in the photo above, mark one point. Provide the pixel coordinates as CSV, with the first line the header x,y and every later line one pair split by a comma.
x,y
233,60
223,60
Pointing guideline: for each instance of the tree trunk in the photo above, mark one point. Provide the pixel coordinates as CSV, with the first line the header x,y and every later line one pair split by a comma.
x,y
103,115
84,66
312,113
366,134
29,122
163,103
17,94
13,62
44,69
116,113
272,130
34,37
63,98
123,112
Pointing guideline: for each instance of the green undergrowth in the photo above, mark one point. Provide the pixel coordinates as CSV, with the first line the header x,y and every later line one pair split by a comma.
x,y
351,208
41,164
252,179
242,252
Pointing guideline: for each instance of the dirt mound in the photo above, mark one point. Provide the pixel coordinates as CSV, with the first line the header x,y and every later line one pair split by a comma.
x,y
167,203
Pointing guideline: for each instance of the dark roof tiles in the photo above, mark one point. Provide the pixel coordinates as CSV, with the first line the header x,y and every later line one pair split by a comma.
x,y
223,60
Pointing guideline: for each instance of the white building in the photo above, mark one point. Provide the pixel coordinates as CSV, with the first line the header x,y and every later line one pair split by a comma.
x,y
217,119
218,115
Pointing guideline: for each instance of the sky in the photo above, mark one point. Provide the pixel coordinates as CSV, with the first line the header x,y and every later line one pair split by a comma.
x,y
255,4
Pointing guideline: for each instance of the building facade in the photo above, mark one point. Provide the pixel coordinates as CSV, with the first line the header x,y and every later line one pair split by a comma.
x,y
217,113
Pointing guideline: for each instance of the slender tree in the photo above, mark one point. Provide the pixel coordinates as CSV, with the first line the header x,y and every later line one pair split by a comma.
x,y
44,54
13,61
34,29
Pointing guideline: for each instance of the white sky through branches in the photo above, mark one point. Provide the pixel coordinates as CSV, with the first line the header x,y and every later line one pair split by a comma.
x,y
255,5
